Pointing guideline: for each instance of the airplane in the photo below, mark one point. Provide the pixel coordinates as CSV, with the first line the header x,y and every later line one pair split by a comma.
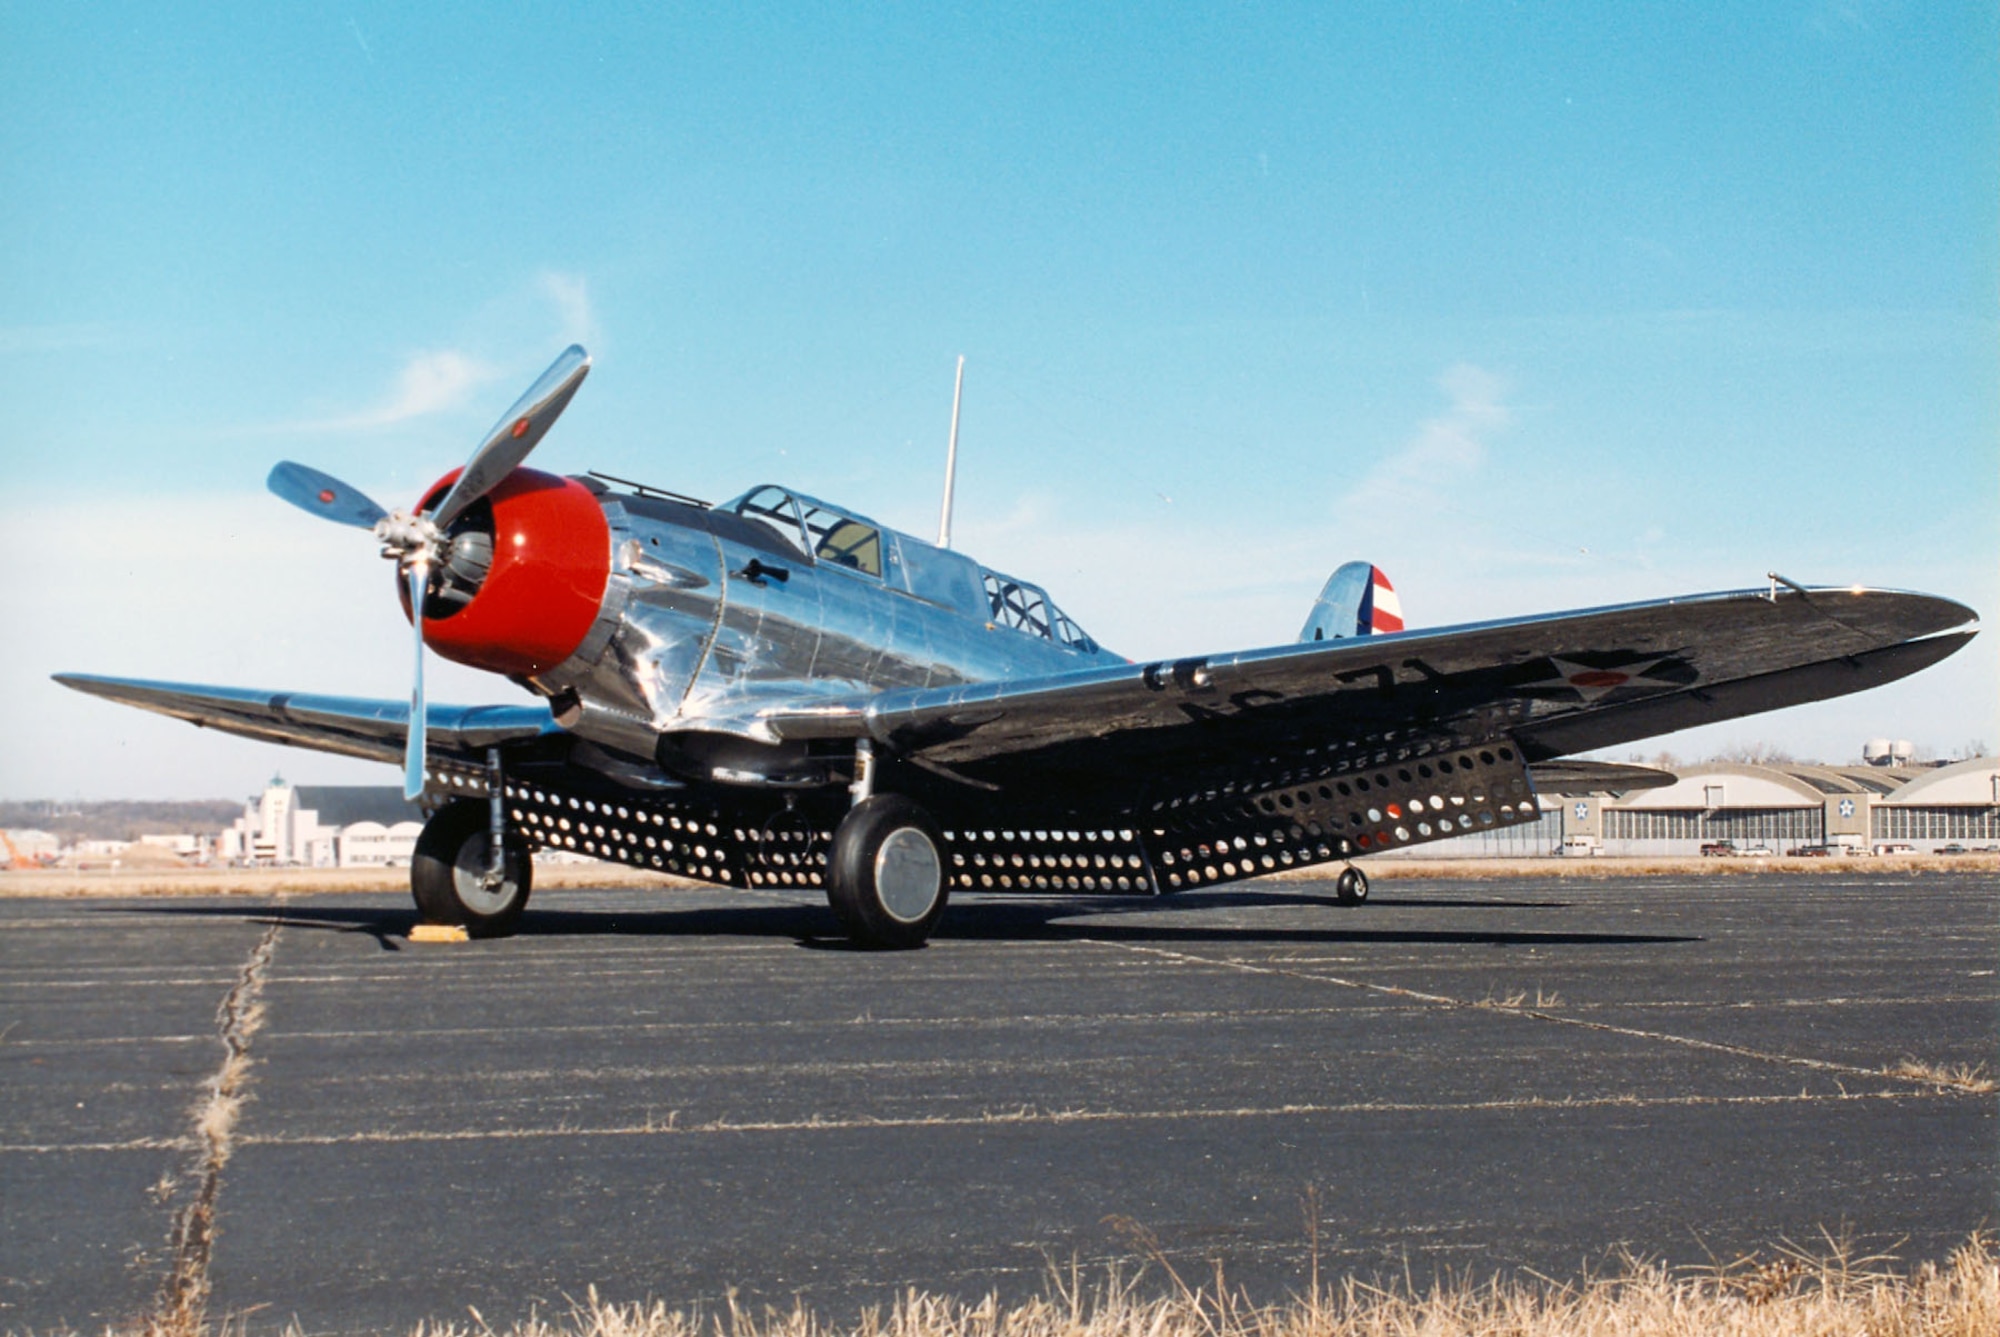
x,y
780,692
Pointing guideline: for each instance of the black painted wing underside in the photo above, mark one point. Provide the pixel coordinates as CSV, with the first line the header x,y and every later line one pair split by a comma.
x,y
1553,686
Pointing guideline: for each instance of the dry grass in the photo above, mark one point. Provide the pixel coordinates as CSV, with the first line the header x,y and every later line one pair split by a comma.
x,y
1611,867
181,1306
293,881
1522,1001
181,881
1789,1291
1971,1077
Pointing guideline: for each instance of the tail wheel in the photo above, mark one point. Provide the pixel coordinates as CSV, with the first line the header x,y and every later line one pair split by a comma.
x,y
887,880
450,875
1351,887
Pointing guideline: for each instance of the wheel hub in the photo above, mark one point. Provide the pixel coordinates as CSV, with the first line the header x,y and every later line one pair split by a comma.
x,y
908,874
478,890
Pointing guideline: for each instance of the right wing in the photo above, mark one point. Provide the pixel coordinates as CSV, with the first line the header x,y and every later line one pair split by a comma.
x,y
1556,685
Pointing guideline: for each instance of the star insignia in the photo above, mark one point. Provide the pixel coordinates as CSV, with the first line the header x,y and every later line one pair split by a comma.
x,y
1592,682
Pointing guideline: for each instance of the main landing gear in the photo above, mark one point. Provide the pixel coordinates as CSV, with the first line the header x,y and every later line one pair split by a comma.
x,y
886,879
455,878
1351,887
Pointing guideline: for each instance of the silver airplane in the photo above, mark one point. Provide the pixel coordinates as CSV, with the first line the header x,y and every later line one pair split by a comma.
x,y
780,692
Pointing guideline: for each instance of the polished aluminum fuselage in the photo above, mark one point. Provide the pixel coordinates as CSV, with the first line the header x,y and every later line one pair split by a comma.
x,y
710,617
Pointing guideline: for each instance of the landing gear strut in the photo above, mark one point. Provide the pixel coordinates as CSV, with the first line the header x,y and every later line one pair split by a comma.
x,y
457,880
1351,887
886,879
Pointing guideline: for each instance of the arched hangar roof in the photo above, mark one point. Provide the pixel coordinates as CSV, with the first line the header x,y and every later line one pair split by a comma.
x,y
1974,783
1742,787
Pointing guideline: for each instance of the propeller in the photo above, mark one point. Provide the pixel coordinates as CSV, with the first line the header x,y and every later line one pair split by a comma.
x,y
325,495
519,431
417,540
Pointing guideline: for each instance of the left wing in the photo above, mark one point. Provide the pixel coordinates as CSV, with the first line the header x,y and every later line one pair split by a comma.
x,y
349,725
1555,685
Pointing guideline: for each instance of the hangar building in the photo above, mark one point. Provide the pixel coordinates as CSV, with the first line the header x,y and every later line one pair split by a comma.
x,y
1776,807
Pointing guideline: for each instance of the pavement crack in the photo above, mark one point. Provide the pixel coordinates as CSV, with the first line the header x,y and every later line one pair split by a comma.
x,y
1028,1116
180,1307
1036,1117
1913,1074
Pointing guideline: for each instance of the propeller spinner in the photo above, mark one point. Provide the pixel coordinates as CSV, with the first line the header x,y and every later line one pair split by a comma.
x,y
419,541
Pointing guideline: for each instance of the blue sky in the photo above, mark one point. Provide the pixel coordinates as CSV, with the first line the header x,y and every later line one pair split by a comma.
x,y
1537,306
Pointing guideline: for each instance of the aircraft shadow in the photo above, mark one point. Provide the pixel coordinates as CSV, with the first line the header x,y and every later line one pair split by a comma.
x,y
996,919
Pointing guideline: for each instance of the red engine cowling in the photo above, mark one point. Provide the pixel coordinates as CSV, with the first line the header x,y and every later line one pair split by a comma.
x,y
551,561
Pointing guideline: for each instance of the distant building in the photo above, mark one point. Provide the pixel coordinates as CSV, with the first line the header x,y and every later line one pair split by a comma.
x,y
33,845
1775,807
1783,807
367,844
323,826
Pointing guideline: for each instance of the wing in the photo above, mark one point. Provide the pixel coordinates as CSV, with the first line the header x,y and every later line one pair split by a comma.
x,y
1555,685
351,726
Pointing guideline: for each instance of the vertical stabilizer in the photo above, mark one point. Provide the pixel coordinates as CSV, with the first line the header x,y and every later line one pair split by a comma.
x,y
1357,600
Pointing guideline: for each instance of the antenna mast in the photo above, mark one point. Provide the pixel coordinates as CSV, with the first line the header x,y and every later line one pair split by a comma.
x,y
951,457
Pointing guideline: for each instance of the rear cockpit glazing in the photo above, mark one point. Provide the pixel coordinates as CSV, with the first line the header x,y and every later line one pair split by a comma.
x,y
838,538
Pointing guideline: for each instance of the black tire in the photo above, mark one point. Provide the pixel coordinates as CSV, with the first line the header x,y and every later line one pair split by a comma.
x,y
1351,887
888,839
447,874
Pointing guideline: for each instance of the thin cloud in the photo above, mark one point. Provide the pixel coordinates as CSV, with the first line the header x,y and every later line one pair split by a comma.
x,y
58,338
1839,18
430,382
570,295
1446,448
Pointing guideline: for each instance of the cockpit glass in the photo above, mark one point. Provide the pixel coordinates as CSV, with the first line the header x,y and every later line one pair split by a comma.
x,y
844,541
774,507
1017,604
1072,635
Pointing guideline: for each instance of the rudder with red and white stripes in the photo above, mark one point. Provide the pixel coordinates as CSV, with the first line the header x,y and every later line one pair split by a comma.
x,y
1357,600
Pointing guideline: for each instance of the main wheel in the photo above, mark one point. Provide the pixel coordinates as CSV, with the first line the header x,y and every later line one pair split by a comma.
x,y
449,877
1351,887
886,880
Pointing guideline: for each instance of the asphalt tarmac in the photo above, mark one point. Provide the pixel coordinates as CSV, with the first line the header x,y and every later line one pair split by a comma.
x,y
670,1094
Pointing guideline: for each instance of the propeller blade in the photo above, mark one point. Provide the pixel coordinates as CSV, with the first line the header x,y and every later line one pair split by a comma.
x,y
413,743
516,434
324,495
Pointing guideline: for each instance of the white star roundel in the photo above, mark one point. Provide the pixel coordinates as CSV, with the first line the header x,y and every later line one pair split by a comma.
x,y
1591,682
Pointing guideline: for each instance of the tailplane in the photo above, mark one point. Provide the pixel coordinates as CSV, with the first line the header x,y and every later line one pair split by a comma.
x,y
1358,600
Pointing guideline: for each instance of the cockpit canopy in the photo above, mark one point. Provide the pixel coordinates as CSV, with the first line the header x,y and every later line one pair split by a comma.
x,y
835,537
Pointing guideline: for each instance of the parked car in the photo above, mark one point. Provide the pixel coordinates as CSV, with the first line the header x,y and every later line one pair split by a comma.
x,y
1718,849
1895,849
1953,848
1756,852
1809,851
